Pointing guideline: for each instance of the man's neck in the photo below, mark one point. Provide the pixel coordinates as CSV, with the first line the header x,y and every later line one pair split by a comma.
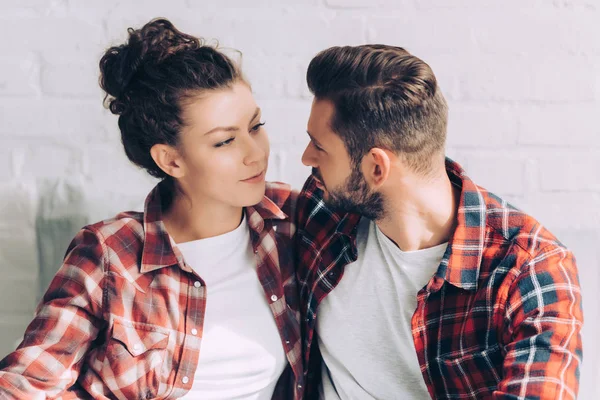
x,y
420,213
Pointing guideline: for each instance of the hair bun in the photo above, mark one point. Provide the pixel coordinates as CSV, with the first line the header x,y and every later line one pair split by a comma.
x,y
154,42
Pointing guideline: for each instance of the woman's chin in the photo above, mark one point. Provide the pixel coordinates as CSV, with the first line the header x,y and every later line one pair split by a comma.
x,y
254,196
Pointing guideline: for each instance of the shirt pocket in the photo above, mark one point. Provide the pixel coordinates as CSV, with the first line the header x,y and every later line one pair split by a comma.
x,y
135,357
473,376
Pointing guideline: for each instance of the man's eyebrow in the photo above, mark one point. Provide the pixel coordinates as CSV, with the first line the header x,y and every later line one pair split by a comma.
x,y
314,140
232,128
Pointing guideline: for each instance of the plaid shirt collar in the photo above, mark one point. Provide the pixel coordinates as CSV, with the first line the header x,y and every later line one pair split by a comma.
x,y
462,259
159,251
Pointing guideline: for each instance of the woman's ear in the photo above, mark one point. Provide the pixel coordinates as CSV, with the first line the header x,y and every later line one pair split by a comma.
x,y
376,167
168,159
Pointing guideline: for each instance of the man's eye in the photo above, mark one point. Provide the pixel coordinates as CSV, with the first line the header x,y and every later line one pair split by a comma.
x,y
257,126
224,143
317,146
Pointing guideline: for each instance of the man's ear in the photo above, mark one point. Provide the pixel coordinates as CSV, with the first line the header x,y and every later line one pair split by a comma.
x,y
376,167
168,159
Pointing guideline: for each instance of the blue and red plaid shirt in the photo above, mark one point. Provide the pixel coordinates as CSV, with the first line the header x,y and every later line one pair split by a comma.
x,y
501,318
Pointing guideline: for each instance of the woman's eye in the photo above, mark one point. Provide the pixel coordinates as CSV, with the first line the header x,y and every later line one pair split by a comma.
x,y
257,126
224,143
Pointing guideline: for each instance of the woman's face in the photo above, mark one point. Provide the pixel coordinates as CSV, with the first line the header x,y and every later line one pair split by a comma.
x,y
224,148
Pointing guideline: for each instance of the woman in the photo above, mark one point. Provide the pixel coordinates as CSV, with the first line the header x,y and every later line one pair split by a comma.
x,y
195,297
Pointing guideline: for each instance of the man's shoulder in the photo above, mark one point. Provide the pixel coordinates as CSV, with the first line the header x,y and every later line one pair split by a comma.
x,y
516,227
283,196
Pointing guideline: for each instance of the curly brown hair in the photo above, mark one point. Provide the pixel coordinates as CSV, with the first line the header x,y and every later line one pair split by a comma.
x,y
148,78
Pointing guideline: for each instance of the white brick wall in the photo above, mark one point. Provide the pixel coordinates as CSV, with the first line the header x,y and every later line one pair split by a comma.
x,y
522,78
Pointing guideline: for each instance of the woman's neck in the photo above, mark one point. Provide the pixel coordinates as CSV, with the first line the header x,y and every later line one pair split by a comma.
x,y
189,219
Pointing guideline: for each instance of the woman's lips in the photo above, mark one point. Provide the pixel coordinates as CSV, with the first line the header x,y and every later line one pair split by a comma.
x,y
256,178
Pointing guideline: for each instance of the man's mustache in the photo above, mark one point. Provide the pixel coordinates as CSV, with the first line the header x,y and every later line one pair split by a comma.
x,y
317,174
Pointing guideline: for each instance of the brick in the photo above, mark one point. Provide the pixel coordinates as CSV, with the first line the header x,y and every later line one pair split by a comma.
x,y
525,79
256,5
6,164
569,171
468,5
493,5
291,169
435,36
104,205
31,8
54,37
572,4
534,31
111,11
272,77
193,22
482,126
72,78
19,75
286,121
264,74
276,165
294,76
46,160
294,39
107,169
378,4
500,174
73,120
565,125
564,210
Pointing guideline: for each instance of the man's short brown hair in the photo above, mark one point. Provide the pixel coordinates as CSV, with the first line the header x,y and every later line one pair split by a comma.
x,y
383,97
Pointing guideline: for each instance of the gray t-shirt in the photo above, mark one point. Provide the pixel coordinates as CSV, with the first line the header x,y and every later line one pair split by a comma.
x,y
364,324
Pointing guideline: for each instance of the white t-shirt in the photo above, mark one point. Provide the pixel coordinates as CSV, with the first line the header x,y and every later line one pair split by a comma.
x,y
241,355
364,323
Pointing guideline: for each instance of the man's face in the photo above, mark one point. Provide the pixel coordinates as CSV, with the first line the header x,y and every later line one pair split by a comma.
x,y
343,183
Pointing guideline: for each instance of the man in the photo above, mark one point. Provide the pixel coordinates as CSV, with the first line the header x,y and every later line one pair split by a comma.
x,y
415,282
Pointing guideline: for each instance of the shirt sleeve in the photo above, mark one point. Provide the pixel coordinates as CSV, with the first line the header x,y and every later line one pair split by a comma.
x,y
67,320
544,318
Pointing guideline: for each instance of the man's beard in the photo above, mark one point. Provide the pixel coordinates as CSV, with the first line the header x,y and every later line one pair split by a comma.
x,y
355,196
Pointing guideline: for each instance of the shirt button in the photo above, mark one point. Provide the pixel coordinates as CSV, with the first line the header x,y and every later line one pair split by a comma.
x,y
185,379
197,284
273,298
194,331
287,342
137,347
299,386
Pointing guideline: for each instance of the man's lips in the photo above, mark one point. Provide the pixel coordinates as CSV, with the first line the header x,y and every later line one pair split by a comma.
x,y
318,180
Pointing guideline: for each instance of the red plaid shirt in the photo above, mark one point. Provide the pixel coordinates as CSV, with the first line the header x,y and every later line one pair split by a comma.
x,y
123,317
501,318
